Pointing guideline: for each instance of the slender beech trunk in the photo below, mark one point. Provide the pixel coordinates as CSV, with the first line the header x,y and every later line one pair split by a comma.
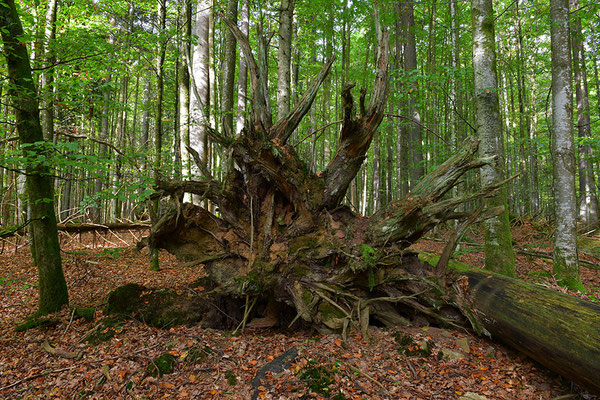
x,y
242,73
97,210
566,265
286,15
499,256
588,202
200,101
184,87
158,117
229,62
45,248
48,71
524,145
417,167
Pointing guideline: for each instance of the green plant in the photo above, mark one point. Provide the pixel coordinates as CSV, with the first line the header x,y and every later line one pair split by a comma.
x,y
319,378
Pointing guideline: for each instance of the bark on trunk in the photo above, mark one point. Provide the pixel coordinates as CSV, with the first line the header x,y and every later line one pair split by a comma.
x,y
45,249
557,330
499,256
565,266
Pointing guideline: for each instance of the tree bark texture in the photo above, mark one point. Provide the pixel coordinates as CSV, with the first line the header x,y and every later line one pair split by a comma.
x,y
286,14
557,330
588,201
566,266
499,254
45,249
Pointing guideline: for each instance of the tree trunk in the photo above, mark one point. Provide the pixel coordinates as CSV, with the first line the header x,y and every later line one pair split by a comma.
x,y
588,202
158,119
45,249
565,268
184,87
417,168
284,60
242,73
499,256
200,76
48,71
229,73
557,330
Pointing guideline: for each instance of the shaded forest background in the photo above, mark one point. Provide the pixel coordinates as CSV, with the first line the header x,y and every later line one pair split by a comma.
x,y
97,77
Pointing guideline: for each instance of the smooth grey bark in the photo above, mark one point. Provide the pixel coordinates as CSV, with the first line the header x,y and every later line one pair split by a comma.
x,y
415,134
286,14
47,78
402,176
200,99
566,265
499,255
229,61
376,196
242,73
158,119
588,201
524,121
44,244
97,209
184,86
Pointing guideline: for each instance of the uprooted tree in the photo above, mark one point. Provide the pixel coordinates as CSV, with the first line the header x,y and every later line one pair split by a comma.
x,y
283,247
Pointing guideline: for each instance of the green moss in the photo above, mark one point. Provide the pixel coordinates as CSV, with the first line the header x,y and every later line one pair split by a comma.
x,y
105,331
454,265
86,313
124,299
196,354
300,270
162,365
231,378
307,297
318,377
35,322
408,347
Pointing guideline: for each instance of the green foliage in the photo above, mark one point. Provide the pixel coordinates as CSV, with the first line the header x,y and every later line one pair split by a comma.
x,y
113,253
320,378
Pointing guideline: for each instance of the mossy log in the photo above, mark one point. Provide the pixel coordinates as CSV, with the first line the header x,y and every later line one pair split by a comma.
x,y
559,331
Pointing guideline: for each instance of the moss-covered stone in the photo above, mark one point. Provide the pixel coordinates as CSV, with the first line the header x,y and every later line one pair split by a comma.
x,y
86,313
160,308
162,365
124,299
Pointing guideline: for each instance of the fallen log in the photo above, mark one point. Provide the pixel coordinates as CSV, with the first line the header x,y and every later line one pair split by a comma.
x,y
560,331
77,228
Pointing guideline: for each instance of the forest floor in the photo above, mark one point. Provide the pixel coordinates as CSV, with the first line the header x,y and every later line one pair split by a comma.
x,y
211,364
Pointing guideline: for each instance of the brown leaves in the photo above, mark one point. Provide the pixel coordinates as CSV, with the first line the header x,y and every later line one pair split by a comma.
x,y
117,368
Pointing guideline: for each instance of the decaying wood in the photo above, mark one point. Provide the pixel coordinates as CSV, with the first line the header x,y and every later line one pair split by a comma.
x,y
559,331
282,245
